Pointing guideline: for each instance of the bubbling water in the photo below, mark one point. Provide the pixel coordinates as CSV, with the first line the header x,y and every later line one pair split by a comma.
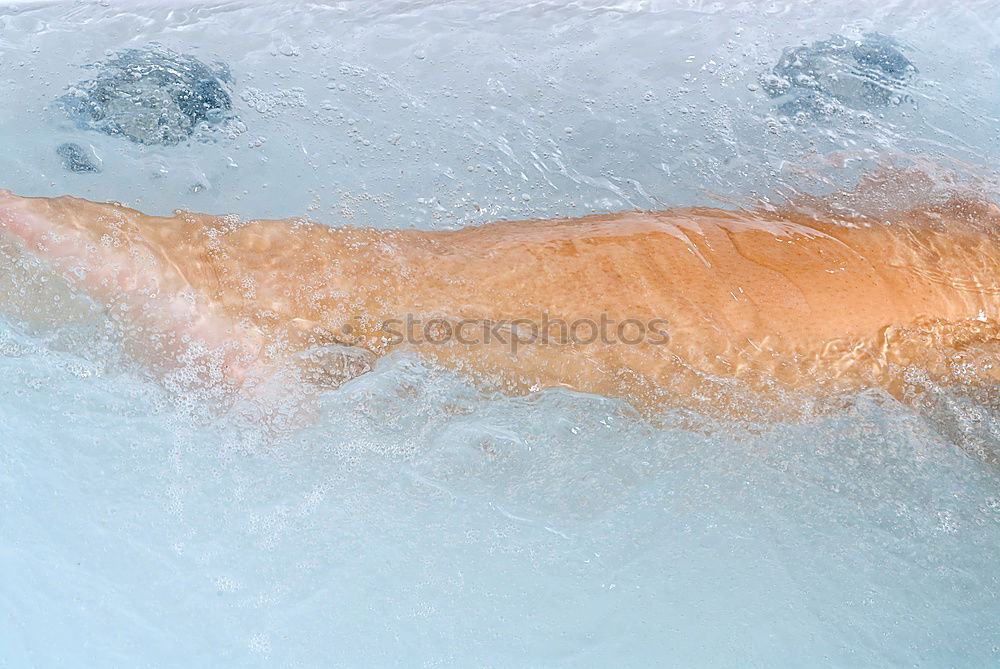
x,y
419,520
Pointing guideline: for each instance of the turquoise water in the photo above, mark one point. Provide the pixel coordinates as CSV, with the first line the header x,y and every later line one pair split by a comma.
x,y
419,522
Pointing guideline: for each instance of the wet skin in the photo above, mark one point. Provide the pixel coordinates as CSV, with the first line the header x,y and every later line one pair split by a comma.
x,y
779,301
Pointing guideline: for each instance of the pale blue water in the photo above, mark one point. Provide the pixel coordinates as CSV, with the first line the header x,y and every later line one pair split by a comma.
x,y
420,523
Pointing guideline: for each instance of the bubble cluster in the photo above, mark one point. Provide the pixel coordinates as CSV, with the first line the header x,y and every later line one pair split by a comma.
x,y
75,158
861,74
150,96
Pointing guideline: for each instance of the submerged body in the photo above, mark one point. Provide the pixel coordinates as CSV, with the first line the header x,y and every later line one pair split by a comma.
x,y
779,301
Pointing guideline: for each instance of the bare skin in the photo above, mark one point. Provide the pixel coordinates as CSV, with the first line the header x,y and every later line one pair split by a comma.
x,y
775,301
